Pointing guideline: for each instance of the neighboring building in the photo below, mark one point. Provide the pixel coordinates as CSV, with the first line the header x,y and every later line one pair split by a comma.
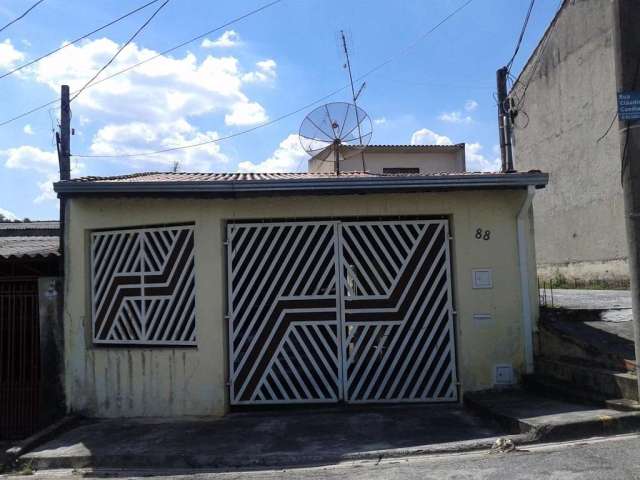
x,y
569,104
216,290
30,333
393,159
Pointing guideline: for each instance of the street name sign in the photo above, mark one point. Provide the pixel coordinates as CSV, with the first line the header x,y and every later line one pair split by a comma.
x,y
629,105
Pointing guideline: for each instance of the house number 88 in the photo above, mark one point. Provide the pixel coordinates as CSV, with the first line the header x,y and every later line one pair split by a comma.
x,y
483,234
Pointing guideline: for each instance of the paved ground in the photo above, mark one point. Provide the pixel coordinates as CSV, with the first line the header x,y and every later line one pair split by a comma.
x,y
609,326
310,437
590,299
614,458
329,436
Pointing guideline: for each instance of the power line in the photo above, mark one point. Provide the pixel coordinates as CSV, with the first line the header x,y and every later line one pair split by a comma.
x,y
538,60
26,12
164,52
282,117
111,60
415,43
86,35
236,134
522,32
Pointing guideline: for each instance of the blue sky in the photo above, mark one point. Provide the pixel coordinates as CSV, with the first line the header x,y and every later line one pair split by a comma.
x,y
258,69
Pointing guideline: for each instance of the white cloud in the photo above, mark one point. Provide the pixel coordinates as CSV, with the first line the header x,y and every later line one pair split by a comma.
x,y
425,136
136,137
286,158
266,70
28,129
46,189
158,91
380,121
470,105
9,56
477,162
228,39
27,157
246,113
43,163
455,117
8,215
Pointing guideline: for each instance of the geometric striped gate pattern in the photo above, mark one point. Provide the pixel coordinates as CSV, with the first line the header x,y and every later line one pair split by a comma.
x,y
143,286
283,309
329,311
397,312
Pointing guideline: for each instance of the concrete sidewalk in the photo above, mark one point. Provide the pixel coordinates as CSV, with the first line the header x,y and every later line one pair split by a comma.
x,y
327,437
242,440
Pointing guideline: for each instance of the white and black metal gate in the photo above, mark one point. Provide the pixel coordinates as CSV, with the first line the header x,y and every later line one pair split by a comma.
x,y
337,310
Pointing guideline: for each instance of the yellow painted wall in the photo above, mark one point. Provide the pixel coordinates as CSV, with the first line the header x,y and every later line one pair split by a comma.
x,y
109,382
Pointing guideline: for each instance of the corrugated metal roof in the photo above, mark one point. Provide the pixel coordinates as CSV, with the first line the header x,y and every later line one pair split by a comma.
x,y
236,184
47,228
20,247
37,224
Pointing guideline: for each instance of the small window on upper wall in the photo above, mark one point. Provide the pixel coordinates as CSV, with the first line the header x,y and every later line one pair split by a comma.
x,y
400,170
143,286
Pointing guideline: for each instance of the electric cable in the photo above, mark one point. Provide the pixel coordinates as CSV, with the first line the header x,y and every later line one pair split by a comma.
x,y
112,59
72,42
164,52
20,17
522,32
282,117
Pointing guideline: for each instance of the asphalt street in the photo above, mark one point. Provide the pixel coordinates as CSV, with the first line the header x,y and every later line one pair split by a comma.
x,y
612,458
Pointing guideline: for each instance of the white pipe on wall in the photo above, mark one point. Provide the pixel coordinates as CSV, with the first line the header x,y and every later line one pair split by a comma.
x,y
522,225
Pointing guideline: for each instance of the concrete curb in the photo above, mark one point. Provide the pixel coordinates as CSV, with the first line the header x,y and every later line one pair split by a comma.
x,y
14,453
622,422
284,460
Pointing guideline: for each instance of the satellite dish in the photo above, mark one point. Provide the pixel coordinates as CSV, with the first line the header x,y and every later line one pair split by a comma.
x,y
340,128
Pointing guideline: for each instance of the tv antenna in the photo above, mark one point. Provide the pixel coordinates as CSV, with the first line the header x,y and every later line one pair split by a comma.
x,y
340,128
354,94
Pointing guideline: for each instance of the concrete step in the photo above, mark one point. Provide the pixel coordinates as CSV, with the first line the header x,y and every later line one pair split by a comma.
x,y
623,405
545,418
596,383
551,387
563,337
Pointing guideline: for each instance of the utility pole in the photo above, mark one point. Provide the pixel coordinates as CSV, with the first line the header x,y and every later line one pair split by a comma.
x,y
504,121
63,143
626,18
64,140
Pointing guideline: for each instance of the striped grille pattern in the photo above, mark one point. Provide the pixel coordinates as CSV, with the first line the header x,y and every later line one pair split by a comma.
x,y
143,286
397,312
283,309
326,311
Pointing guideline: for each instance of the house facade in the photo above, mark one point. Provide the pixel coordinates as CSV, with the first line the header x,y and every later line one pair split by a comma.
x,y
220,290
394,159
566,102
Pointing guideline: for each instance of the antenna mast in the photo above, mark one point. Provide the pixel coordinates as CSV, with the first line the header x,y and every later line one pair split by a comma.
x,y
354,95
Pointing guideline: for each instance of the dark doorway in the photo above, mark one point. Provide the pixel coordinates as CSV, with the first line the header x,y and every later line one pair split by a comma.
x,y
19,358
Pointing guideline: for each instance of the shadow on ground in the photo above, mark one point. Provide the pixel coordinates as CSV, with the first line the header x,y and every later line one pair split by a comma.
x,y
266,438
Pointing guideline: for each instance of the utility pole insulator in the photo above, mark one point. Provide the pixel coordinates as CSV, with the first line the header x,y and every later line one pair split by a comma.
x,y
626,18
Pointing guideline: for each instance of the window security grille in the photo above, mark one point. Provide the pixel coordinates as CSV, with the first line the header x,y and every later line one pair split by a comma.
x,y
143,286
